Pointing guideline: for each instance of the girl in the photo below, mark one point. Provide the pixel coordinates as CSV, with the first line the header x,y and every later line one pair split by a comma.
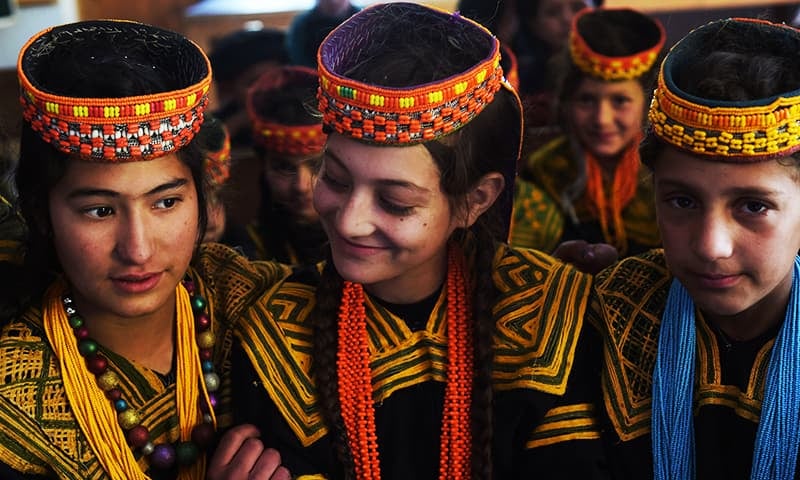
x,y
586,184
701,338
425,347
288,141
115,365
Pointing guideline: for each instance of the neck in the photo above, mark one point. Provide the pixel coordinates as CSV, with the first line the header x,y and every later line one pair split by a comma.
x,y
414,285
146,340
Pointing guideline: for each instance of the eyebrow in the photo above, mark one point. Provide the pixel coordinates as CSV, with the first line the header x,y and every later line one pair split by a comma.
x,y
100,192
389,182
735,191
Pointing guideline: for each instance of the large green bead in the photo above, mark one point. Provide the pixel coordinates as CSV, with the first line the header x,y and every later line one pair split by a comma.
x,y
186,453
198,303
87,347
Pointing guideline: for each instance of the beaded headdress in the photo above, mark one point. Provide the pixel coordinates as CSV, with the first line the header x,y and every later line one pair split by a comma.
x,y
510,65
735,131
278,135
114,129
400,116
217,147
644,35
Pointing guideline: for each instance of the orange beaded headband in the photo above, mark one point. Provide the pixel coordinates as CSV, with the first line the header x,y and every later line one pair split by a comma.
x,y
646,31
280,136
385,115
114,129
734,131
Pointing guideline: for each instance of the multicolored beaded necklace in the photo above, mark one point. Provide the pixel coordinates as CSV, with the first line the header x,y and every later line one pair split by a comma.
x,y
355,375
96,399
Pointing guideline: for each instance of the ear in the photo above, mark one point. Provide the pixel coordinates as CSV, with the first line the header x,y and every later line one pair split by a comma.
x,y
483,195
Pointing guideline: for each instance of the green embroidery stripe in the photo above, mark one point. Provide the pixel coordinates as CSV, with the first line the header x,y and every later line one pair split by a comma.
x,y
633,294
25,447
287,383
542,354
573,422
421,361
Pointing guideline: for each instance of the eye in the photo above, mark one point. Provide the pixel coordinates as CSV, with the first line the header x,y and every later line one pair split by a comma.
x,y
283,168
333,183
620,101
754,207
681,202
584,100
99,212
166,203
396,209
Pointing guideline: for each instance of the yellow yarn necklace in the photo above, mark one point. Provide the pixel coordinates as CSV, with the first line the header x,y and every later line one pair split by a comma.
x,y
93,393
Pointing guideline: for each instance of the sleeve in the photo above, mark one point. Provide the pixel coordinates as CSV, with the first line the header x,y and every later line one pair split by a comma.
x,y
252,404
566,441
8,473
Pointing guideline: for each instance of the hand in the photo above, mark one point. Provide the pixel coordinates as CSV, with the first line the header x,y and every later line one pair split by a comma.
x,y
586,257
241,456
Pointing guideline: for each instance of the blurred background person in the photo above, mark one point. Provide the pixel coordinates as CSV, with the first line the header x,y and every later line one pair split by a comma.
x,y
587,184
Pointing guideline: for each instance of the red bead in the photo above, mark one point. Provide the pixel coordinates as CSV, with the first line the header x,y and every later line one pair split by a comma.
x,y
138,436
81,333
203,434
206,354
114,394
97,364
203,322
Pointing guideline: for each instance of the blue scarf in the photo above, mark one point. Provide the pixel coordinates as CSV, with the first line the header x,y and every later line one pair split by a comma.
x,y
778,436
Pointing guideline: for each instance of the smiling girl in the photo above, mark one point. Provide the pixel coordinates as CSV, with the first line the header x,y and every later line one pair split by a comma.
x,y
586,184
425,347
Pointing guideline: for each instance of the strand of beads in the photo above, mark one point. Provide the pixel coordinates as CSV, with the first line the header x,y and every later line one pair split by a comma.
x,y
164,455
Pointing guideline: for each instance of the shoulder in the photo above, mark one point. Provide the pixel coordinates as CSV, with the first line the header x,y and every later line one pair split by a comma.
x,y
626,307
538,318
33,406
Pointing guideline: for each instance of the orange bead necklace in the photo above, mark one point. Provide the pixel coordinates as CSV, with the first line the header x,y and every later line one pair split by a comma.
x,y
355,385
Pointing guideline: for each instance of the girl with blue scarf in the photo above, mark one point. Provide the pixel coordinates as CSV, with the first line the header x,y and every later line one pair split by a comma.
x,y
701,355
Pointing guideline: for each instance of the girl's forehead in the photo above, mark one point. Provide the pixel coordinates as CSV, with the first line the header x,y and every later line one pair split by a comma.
x,y
125,177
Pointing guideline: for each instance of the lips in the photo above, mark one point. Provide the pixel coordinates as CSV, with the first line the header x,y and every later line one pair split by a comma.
x,y
136,283
716,280
352,249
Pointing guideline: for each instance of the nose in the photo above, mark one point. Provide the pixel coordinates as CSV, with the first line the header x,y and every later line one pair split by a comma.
x,y
354,218
604,114
303,179
715,238
134,239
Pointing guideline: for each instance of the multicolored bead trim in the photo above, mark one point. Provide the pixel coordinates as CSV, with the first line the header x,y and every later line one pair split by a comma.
x,y
408,115
115,129
612,68
737,132
290,139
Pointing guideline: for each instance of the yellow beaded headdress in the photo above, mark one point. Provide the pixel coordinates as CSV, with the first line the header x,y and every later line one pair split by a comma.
x,y
735,131
112,129
278,135
400,116
644,35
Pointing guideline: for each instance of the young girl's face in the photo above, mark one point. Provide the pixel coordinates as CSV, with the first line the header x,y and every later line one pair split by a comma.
x,y
124,234
607,116
386,217
290,181
730,231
